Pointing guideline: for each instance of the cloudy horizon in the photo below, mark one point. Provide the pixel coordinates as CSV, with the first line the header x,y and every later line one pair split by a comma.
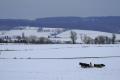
x,y
32,9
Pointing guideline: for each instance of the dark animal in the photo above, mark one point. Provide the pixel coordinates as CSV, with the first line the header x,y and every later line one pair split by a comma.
x,y
99,65
85,65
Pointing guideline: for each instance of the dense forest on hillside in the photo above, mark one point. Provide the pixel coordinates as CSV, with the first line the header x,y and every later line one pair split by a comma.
x,y
106,24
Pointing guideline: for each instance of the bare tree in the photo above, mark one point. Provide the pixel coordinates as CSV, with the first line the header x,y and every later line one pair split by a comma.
x,y
73,37
32,39
88,40
44,40
113,38
102,40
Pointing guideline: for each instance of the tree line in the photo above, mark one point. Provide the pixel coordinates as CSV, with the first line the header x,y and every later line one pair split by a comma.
x,y
97,40
46,40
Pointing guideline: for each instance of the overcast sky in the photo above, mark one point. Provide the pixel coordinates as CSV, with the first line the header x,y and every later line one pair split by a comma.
x,y
31,9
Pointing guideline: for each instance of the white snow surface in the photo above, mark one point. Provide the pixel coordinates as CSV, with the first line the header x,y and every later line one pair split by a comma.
x,y
65,36
27,32
58,62
62,36
30,31
89,33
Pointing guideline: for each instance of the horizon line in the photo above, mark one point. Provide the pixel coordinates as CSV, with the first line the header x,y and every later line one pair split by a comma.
x,y
58,17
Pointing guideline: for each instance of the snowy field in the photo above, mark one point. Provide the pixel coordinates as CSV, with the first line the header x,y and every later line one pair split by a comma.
x,y
58,62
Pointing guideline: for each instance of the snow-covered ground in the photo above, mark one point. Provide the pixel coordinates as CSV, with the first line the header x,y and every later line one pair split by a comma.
x,y
30,31
82,33
55,34
58,62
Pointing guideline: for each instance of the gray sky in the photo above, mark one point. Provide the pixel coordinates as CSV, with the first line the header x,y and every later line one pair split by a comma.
x,y
31,9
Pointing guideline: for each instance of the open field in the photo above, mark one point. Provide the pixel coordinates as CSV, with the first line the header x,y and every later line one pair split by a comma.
x,y
58,62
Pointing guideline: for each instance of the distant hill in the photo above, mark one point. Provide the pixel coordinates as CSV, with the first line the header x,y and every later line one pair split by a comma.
x,y
106,24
